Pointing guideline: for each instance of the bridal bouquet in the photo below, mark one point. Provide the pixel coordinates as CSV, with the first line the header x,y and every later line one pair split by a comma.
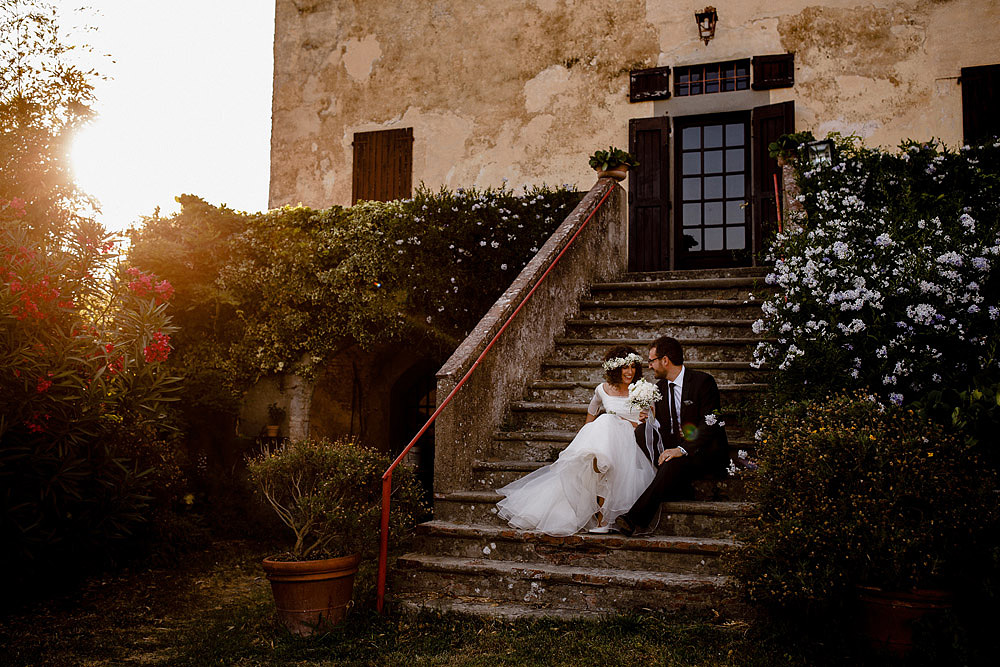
x,y
643,394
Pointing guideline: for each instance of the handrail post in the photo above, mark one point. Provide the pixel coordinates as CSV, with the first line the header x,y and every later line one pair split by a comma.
x,y
383,552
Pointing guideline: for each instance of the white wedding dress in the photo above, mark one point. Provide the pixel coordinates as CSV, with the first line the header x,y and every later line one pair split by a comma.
x,y
561,498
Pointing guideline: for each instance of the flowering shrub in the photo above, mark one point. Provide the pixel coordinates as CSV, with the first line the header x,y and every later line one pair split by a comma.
x,y
892,281
850,490
423,270
81,365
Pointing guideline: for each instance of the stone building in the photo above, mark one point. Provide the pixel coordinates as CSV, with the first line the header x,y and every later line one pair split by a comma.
x,y
372,98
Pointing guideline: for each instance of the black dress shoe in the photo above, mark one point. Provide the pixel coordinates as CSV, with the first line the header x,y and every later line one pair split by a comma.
x,y
624,526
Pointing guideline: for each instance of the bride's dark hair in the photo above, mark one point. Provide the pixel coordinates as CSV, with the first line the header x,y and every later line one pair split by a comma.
x,y
614,376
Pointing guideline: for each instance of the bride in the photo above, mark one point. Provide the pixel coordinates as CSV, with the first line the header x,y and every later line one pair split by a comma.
x,y
599,475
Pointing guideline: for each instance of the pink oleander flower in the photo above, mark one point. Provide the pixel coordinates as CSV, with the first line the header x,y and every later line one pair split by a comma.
x,y
144,286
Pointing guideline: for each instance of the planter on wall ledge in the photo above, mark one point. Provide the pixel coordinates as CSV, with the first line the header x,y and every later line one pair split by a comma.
x,y
887,617
312,594
618,172
272,431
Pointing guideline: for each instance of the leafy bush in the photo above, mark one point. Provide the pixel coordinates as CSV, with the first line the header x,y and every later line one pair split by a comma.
x,y
82,392
851,491
287,289
892,281
329,493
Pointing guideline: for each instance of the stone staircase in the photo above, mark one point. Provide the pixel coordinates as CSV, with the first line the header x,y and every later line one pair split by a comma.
x,y
468,560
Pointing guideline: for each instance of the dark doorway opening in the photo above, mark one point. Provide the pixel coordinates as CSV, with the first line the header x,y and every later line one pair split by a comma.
x,y
413,401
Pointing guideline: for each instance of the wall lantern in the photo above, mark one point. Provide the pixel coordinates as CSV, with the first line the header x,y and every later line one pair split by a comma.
x,y
818,152
706,18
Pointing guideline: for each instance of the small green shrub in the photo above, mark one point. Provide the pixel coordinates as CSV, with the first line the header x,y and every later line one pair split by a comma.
x,y
851,491
329,493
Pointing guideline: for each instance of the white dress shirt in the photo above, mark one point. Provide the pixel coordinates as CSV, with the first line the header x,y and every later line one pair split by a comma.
x,y
678,391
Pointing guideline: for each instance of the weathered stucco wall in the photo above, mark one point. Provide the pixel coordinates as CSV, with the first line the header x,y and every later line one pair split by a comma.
x,y
528,92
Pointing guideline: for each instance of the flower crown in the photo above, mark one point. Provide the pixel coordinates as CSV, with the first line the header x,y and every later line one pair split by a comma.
x,y
618,362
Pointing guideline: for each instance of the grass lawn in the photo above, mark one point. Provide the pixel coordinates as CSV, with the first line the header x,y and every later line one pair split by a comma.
x,y
216,608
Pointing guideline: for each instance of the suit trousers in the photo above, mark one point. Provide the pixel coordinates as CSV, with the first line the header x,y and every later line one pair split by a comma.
x,y
672,482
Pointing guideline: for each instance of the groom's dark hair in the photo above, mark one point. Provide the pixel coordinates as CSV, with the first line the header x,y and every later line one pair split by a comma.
x,y
668,347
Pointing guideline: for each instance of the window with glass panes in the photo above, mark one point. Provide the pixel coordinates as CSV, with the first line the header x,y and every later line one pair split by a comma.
x,y
712,78
714,166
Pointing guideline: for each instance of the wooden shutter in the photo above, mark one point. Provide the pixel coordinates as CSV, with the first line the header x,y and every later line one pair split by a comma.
x,y
767,124
776,71
980,103
383,165
649,84
649,195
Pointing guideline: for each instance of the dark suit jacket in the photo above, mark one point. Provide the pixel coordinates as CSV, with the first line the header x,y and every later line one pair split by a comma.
x,y
699,397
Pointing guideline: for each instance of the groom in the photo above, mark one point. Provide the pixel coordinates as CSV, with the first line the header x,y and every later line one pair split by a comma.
x,y
691,441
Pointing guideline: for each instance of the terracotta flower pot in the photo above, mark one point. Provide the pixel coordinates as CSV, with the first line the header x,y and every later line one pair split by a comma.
x,y
272,430
619,172
312,593
887,617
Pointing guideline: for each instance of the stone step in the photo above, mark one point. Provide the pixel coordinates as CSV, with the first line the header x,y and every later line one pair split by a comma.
x,y
690,555
590,372
546,416
668,309
650,329
690,518
742,288
544,446
570,391
742,271
481,606
550,586
695,349
494,473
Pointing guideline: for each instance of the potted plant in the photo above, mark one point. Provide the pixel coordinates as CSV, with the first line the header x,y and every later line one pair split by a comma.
x,y
788,146
329,493
275,417
864,510
612,163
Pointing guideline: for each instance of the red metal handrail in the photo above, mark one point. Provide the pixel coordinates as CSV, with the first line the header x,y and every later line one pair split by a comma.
x,y
383,554
777,199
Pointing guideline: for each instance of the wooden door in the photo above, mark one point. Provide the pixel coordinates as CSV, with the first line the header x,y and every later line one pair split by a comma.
x,y
769,122
649,195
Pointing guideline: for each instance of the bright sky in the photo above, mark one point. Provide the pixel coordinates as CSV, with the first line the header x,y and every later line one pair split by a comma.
x,y
187,108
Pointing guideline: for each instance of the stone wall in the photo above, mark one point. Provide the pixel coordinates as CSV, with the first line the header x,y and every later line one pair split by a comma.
x,y
351,397
468,423
527,93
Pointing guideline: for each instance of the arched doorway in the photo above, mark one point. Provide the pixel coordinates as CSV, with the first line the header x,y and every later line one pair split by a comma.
x,y
414,399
